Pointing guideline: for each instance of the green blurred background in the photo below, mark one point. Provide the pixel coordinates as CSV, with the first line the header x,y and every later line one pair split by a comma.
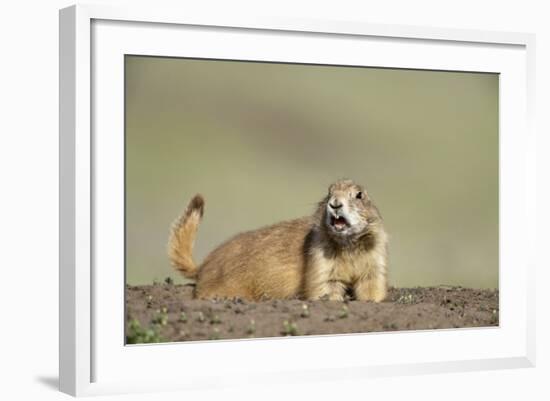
x,y
262,142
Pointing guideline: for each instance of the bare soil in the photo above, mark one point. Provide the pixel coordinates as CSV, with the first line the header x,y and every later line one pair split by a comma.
x,y
167,313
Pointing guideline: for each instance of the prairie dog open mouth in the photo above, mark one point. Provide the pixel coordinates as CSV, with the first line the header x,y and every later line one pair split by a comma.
x,y
339,223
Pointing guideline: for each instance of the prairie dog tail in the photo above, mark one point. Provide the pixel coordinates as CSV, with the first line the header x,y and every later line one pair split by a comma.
x,y
182,237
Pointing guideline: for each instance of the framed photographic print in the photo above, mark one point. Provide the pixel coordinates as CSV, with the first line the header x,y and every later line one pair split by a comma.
x,y
240,191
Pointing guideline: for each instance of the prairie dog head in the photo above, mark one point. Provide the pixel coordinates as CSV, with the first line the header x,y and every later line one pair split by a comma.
x,y
348,211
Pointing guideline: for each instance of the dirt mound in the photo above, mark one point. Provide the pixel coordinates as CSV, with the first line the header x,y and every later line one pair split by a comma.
x,y
167,313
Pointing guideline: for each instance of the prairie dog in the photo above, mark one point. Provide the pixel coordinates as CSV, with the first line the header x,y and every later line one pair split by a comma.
x,y
341,247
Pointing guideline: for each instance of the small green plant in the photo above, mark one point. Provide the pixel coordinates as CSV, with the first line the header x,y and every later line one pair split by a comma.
x,y
406,299
251,329
290,328
183,317
161,317
200,317
169,280
344,312
215,335
138,335
215,319
389,327
305,311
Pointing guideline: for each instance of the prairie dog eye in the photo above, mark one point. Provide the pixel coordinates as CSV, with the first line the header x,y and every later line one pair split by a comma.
x,y
359,195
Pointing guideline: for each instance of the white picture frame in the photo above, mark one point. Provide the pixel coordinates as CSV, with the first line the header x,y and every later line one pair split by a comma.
x,y
93,358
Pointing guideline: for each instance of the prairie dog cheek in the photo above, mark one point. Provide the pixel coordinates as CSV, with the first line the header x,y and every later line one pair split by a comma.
x,y
357,222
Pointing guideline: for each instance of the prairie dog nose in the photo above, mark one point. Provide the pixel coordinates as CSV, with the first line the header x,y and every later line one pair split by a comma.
x,y
335,204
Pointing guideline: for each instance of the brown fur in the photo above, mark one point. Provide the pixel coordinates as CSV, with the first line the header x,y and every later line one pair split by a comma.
x,y
182,237
304,258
